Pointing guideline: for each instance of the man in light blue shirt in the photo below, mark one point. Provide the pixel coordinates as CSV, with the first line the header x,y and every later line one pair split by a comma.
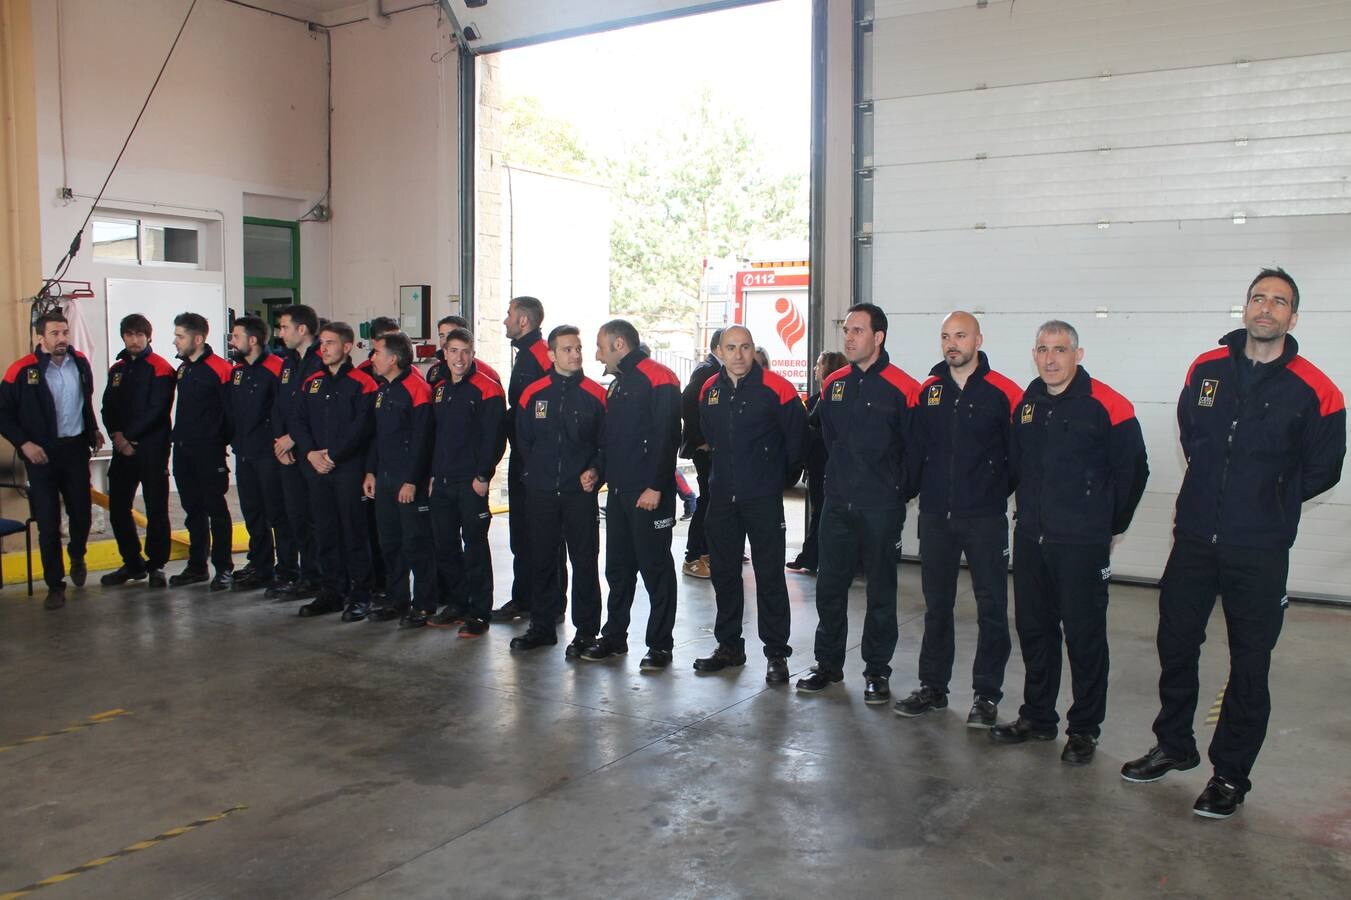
x,y
63,380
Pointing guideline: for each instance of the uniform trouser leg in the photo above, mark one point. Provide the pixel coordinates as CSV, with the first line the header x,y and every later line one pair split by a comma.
x,y
545,518
448,541
325,508
406,542
124,476
581,530
696,540
379,570
253,505
64,478
839,548
274,503
881,531
725,538
518,529
1082,573
155,493
460,520
203,479
639,541
344,543
816,498
728,527
984,541
1038,626
296,497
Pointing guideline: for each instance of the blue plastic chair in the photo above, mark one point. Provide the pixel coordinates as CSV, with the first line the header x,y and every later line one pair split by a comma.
x,y
14,526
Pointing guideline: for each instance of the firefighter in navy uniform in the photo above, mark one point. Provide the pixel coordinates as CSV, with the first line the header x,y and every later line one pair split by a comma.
x,y
438,370
642,433
136,411
524,316
1078,458
379,327
868,422
468,409
262,500
201,434
396,481
47,413
1263,431
694,448
964,409
560,424
755,426
298,328
332,427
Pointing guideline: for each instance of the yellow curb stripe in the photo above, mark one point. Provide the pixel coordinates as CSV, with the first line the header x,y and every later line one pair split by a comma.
x,y
125,851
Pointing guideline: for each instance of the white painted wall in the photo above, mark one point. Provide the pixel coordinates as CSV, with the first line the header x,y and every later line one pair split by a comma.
x,y
1003,136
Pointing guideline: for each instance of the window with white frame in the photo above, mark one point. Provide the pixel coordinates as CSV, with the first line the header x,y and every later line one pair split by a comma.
x,y
146,241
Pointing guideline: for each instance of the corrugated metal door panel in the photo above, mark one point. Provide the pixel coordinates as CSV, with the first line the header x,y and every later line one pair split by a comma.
x,y
1056,40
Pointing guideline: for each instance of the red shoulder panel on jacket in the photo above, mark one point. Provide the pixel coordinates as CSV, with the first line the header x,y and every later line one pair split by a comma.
x,y
488,386
313,375
12,373
1119,409
708,383
924,385
902,382
220,367
657,374
272,362
1208,356
594,389
417,388
161,365
1007,386
368,384
1330,399
540,350
834,377
532,389
481,366
782,387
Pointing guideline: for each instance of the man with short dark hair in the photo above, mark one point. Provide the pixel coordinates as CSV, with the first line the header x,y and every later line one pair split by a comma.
x,y
378,327
642,433
754,425
1263,430
560,424
694,448
868,424
253,396
201,432
1078,457
136,411
396,481
332,427
298,328
47,413
438,372
524,318
467,409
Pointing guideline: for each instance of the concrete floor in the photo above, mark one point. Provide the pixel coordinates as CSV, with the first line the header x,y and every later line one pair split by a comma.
x,y
378,763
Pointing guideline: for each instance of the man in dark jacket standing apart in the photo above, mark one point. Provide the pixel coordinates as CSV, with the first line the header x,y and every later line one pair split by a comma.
x,y
694,448
201,434
868,422
47,413
1263,430
642,432
1079,460
754,425
964,409
136,405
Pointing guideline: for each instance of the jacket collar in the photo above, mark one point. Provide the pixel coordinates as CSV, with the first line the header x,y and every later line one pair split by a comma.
x,y
756,375
982,368
559,378
527,340
883,360
206,352
1237,340
128,357
630,362
1080,386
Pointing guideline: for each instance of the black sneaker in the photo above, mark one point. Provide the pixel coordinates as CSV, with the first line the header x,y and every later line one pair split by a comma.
x,y
579,643
472,627
655,661
723,657
222,582
320,606
776,671
414,618
604,648
188,576
1020,730
356,611
533,640
1079,750
250,579
510,612
283,590
1220,800
306,589
156,578
382,613
56,598
447,618
921,701
1157,763
818,679
78,572
876,689
122,576
984,713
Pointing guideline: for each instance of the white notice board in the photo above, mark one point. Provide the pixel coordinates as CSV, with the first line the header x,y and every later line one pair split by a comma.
x,y
160,302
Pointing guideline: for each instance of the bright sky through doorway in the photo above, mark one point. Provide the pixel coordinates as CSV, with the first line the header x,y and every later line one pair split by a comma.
x,y
617,85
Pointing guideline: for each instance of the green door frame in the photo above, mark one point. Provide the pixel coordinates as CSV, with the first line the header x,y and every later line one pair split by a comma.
x,y
294,281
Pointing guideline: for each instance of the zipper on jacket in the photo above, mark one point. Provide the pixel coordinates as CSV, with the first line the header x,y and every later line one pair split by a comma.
x,y
1224,476
952,454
